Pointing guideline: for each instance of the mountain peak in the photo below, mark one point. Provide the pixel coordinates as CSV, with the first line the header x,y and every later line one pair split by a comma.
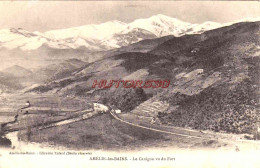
x,y
161,16
111,23
117,21
167,18
161,25
15,67
17,71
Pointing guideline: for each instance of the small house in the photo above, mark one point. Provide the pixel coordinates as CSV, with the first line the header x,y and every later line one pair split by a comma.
x,y
117,111
100,107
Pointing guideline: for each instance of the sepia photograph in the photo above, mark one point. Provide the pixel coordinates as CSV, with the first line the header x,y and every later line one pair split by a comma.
x,y
158,84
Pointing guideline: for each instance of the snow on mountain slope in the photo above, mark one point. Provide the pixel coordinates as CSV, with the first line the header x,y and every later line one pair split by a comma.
x,y
73,43
200,28
160,25
19,38
89,31
125,38
6,35
105,36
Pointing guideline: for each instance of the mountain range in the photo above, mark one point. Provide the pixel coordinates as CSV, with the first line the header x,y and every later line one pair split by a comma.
x,y
214,79
101,37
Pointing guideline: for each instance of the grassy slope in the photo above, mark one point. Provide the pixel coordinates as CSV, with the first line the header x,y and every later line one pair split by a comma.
x,y
230,104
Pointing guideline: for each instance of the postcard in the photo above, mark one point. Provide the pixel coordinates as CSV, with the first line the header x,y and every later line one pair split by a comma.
x,y
156,84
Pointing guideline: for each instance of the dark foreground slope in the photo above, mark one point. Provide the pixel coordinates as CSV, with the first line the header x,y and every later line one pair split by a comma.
x,y
226,96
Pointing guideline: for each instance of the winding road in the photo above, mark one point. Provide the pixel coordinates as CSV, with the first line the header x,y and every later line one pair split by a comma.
x,y
156,130
87,114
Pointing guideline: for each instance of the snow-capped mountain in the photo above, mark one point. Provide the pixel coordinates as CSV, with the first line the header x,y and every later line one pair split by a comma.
x,y
127,37
18,38
98,32
105,36
160,25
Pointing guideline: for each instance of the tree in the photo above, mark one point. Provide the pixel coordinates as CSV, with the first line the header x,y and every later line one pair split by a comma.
x,y
126,99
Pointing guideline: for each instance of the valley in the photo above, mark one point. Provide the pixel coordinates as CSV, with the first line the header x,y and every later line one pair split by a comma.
x,y
214,91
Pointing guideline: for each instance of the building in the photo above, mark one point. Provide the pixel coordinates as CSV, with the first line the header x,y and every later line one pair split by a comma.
x,y
100,107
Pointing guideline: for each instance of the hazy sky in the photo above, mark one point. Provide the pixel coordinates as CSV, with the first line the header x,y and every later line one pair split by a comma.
x,y
47,15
